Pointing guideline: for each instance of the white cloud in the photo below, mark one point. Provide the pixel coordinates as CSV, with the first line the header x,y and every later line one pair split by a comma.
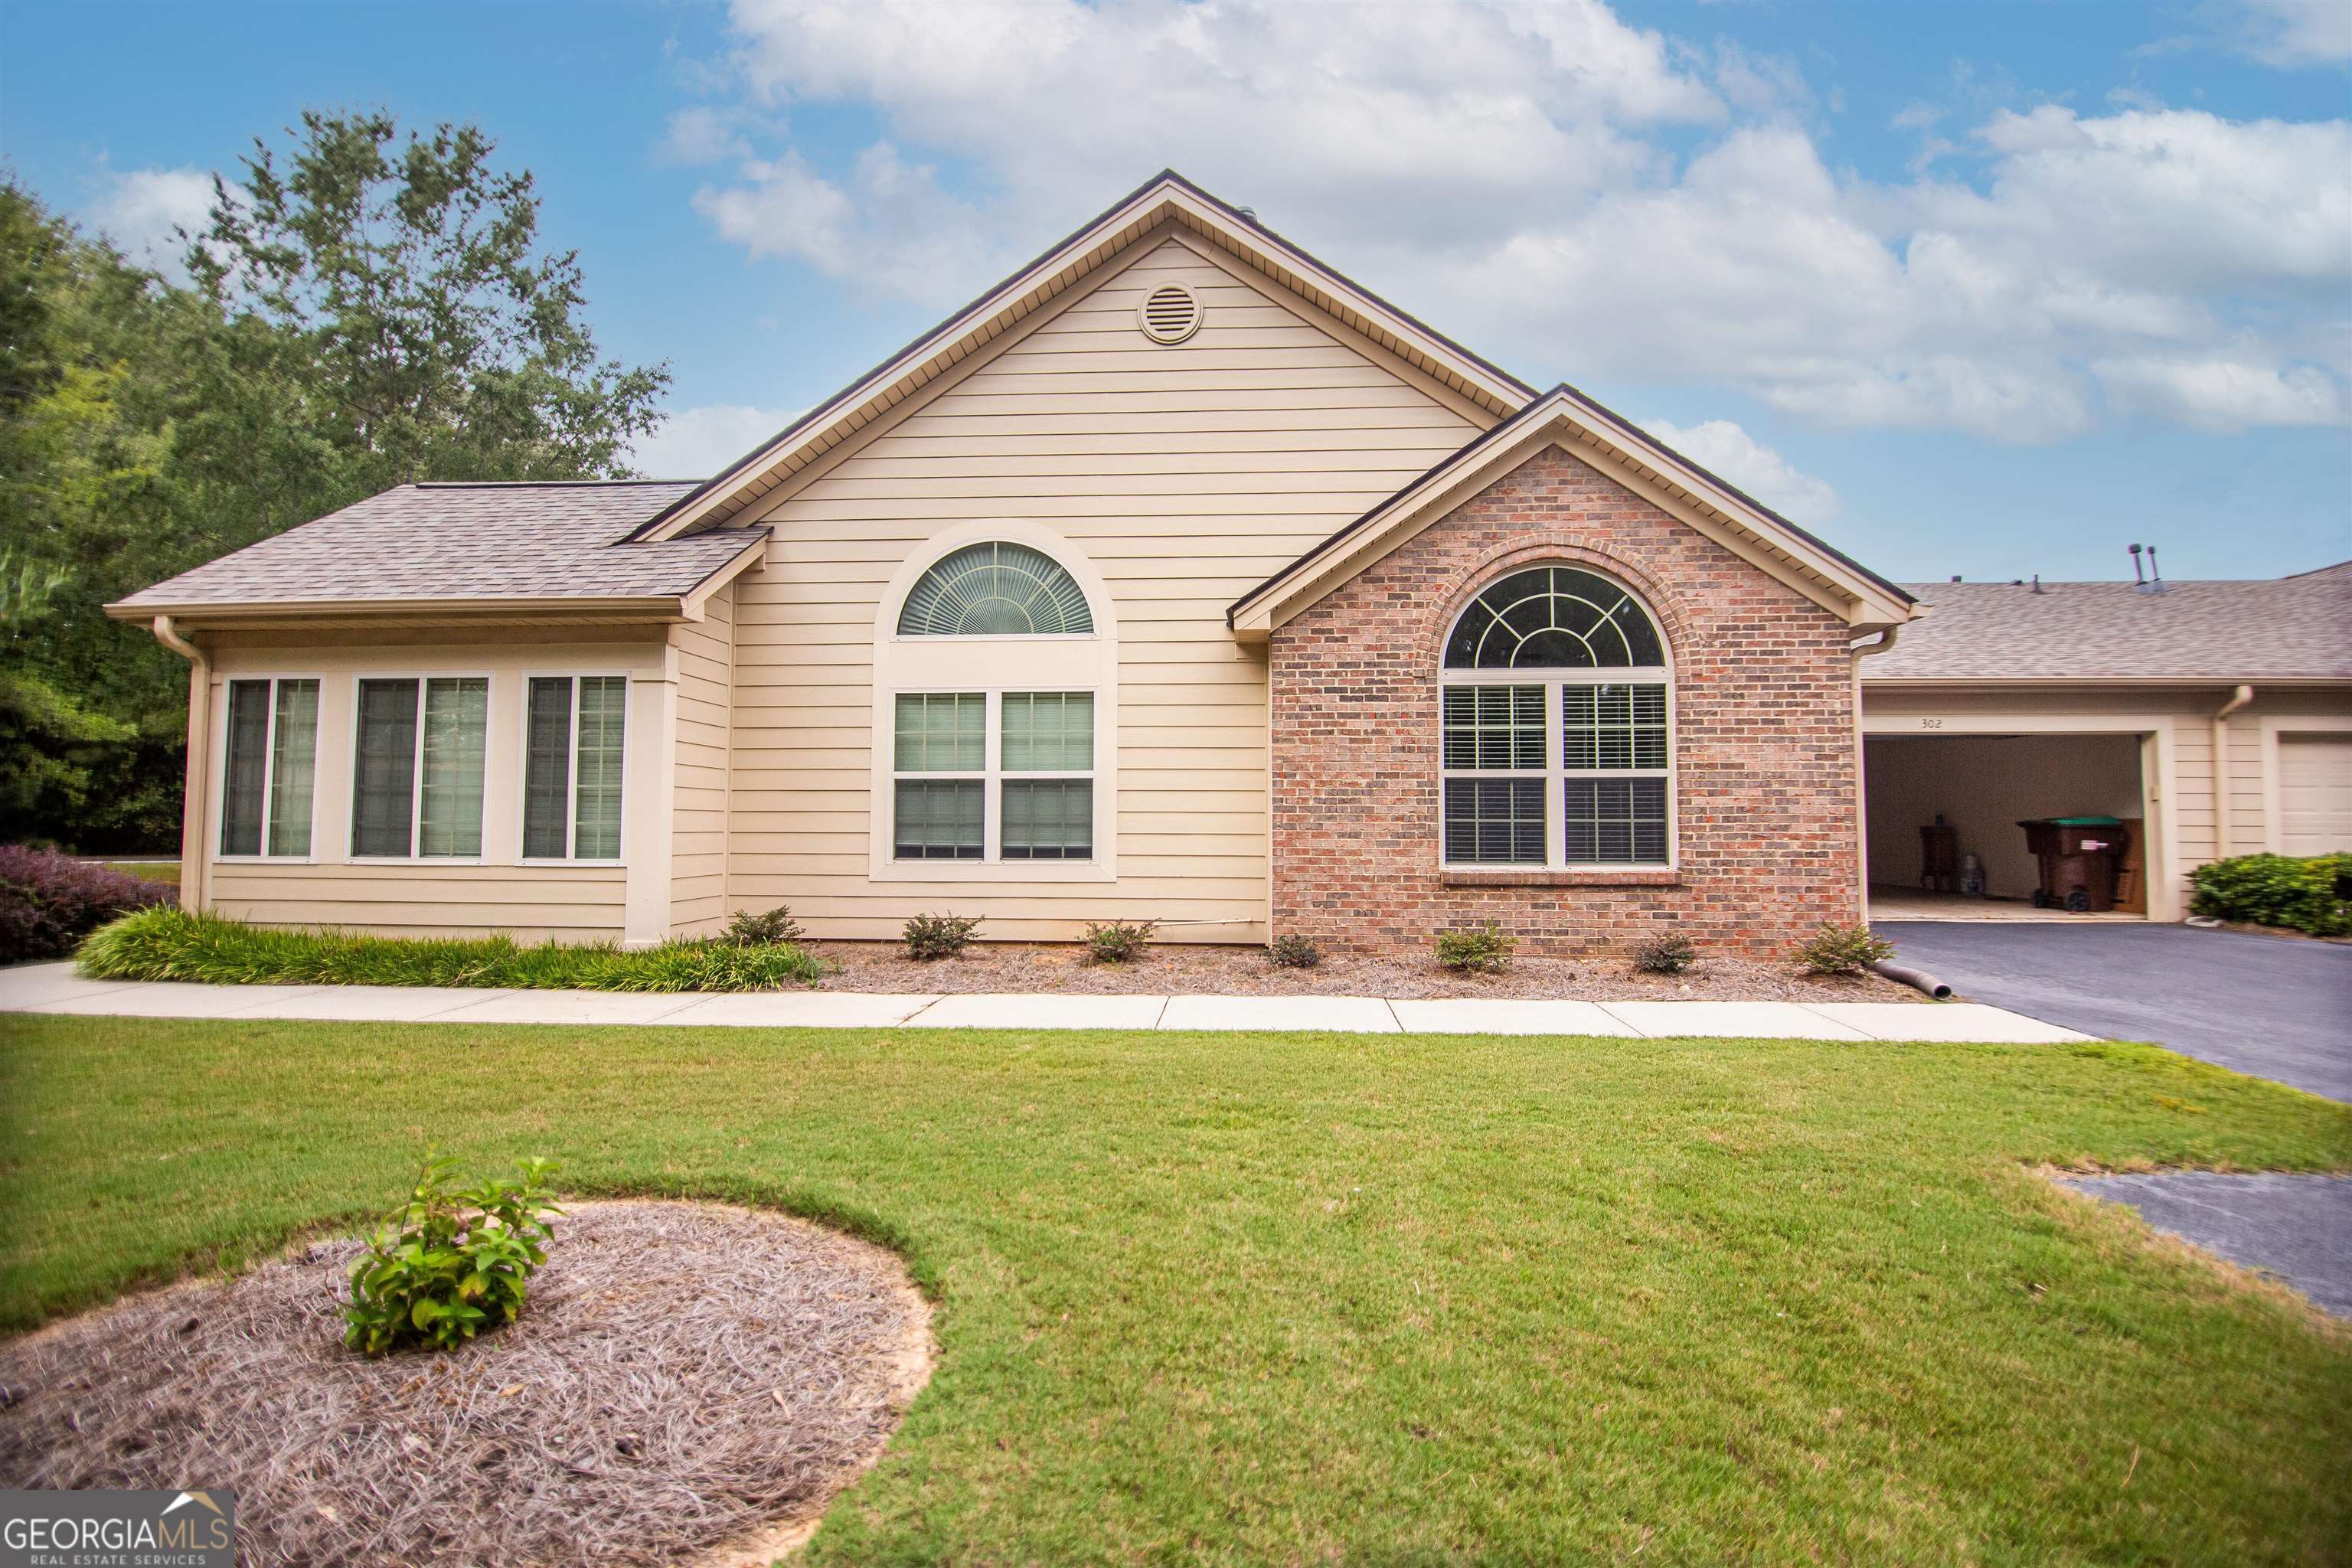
x,y
1731,453
1517,174
695,443
2289,33
139,211
2223,394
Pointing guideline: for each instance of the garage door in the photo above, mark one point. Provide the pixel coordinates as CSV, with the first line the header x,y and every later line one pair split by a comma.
x,y
2315,794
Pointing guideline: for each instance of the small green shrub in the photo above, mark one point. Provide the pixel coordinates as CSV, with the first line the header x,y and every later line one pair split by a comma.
x,y
1291,951
748,930
939,936
1483,950
450,1261
166,943
1119,941
1843,949
1668,952
2309,893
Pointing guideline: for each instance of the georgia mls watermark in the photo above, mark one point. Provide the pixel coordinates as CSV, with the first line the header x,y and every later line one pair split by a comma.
x,y
118,1529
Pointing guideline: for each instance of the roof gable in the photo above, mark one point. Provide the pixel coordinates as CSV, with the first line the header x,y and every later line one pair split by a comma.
x,y
1166,199
1566,418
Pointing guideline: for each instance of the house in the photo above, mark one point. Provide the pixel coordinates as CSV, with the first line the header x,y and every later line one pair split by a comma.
x,y
1177,578
2011,700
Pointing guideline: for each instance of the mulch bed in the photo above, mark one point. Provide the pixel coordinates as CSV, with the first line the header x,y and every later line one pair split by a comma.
x,y
1181,969
685,1376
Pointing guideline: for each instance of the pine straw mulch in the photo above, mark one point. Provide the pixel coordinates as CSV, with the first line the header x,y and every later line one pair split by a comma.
x,y
687,1379
1200,969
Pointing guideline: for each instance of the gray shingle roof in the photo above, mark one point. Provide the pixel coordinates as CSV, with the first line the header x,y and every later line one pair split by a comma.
x,y
466,541
2283,628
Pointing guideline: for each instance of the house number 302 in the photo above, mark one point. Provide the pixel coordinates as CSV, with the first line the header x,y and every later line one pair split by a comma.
x,y
1931,723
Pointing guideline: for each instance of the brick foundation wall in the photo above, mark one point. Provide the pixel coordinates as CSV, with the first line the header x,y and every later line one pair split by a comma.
x,y
1764,745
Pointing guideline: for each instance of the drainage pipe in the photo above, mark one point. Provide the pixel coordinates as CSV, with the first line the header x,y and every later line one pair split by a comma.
x,y
196,811
1918,979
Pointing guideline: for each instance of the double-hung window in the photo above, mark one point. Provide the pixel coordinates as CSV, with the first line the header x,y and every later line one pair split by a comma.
x,y
270,767
573,758
993,775
1555,727
417,764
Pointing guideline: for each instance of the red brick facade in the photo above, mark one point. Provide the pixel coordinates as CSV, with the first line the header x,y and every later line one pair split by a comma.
x,y
1764,741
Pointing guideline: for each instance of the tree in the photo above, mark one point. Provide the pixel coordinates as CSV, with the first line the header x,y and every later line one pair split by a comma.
x,y
407,302
364,311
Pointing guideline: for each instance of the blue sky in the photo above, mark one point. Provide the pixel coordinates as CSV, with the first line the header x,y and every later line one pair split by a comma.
x,y
1974,288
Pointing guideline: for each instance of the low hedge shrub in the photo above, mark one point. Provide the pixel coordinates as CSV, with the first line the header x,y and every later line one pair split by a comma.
x,y
2307,893
1482,950
451,1261
1291,951
1665,952
1843,949
1119,941
49,902
173,945
939,936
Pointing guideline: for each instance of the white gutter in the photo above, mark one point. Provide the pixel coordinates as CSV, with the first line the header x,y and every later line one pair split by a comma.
x,y
2238,699
1860,784
196,811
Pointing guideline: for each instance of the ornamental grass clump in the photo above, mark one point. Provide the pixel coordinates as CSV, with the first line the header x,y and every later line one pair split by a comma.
x,y
450,1261
1843,949
167,944
1482,950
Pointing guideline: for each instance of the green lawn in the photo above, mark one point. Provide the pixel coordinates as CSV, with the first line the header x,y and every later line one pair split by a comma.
x,y
1252,1299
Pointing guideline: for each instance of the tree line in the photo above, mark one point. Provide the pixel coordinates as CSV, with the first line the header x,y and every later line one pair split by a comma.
x,y
361,309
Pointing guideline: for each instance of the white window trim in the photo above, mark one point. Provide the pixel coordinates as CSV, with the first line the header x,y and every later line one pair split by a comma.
x,y
993,776
416,769
269,774
1555,774
571,782
1061,661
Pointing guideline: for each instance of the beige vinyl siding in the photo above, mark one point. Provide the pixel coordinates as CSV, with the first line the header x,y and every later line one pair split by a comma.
x,y
1185,475
705,653
535,902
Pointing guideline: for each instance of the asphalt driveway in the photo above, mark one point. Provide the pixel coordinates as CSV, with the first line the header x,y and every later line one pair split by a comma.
x,y
2273,1006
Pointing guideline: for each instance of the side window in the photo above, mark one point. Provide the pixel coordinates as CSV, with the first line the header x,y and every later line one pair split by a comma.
x,y
416,785
271,767
574,754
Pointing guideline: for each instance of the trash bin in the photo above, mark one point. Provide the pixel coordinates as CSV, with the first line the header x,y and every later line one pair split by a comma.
x,y
2078,857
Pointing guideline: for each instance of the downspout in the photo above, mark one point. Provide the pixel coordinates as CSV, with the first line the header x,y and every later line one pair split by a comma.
x,y
2244,695
1860,784
195,813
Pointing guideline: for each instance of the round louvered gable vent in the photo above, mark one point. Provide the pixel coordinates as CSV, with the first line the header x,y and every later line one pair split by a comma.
x,y
1170,314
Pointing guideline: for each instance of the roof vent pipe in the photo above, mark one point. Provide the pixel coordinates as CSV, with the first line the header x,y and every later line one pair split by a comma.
x,y
2037,582
2138,576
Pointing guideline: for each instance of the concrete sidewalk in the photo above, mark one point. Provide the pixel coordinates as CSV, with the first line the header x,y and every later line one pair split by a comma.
x,y
54,988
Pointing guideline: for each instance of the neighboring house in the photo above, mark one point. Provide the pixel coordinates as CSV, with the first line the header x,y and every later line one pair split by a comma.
x,y
2008,700
1178,578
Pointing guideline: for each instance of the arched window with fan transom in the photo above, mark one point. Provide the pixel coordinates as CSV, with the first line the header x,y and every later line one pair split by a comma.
x,y
1557,726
